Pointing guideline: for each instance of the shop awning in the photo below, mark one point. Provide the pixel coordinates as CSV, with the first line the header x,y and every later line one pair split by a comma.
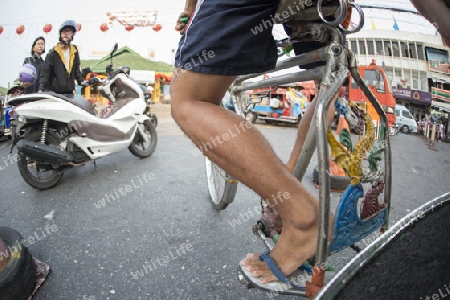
x,y
441,106
437,77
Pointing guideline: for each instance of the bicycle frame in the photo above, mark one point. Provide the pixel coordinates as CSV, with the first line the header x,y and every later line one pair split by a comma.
x,y
350,225
340,62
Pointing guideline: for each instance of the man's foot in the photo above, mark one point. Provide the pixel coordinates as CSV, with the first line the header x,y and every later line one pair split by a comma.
x,y
294,247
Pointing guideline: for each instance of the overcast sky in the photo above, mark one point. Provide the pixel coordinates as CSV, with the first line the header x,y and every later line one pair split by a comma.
x,y
91,13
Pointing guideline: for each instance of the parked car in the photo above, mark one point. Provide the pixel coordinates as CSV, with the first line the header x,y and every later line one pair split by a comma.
x,y
404,120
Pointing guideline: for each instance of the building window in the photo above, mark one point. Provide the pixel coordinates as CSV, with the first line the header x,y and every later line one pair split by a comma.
x,y
404,48
362,47
370,48
420,53
398,76
395,49
412,50
380,49
415,80
387,48
423,82
354,47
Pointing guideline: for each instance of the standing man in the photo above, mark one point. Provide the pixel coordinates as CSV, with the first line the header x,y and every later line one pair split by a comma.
x,y
37,49
62,64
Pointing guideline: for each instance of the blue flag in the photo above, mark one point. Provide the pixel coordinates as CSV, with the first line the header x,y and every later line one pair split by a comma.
x,y
395,26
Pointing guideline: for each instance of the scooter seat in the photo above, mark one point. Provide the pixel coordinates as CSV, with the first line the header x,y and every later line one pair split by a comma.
x,y
81,103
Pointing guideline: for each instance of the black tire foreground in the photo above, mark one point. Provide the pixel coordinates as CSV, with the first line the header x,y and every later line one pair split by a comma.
x,y
409,261
18,279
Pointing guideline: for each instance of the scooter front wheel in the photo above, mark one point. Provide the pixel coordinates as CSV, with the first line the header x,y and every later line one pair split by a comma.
x,y
39,174
144,146
251,117
222,186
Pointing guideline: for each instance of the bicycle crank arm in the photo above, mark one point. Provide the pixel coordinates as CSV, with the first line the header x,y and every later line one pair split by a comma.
x,y
258,231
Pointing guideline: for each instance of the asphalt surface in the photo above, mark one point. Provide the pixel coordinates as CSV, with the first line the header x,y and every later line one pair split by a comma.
x,y
159,237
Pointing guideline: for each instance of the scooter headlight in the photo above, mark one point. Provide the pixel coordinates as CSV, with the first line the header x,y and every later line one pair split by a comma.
x,y
22,119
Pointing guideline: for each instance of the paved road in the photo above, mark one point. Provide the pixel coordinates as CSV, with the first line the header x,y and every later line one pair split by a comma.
x,y
160,239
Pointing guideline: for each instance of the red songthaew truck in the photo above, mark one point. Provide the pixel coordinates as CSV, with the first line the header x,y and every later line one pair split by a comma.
x,y
376,80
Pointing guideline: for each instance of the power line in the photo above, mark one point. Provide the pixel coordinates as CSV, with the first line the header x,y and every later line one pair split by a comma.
x,y
391,9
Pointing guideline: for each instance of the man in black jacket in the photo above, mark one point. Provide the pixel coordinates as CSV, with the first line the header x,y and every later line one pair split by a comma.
x,y
62,64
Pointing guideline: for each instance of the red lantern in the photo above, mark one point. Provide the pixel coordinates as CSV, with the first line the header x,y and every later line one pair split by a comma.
x,y
1,29
78,26
129,27
157,27
104,27
20,29
47,28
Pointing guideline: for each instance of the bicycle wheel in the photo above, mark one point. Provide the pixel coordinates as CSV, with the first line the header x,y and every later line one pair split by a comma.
x,y
222,186
241,102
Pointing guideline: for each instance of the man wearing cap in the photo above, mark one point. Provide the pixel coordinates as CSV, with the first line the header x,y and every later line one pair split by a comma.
x,y
62,65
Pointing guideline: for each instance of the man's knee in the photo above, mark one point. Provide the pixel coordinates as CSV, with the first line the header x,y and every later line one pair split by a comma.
x,y
176,102
177,107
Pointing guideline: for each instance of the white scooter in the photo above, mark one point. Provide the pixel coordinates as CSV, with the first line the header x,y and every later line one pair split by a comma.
x,y
53,133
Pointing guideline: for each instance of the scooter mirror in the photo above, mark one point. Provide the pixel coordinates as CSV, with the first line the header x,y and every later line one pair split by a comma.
x,y
114,49
116,46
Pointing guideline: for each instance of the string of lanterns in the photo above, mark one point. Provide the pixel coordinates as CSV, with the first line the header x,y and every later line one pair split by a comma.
x,y
105,27
47,28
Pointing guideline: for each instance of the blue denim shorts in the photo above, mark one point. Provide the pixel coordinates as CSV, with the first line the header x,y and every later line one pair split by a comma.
x,y
229,37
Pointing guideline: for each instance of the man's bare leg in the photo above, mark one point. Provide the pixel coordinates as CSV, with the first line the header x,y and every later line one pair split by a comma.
x,y
250,158
252,260
303,128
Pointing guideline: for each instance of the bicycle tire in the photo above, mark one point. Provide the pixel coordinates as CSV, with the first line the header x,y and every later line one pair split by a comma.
x,y
222,186
241,103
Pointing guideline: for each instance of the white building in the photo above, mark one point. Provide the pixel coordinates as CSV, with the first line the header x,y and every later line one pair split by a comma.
x,y
413,56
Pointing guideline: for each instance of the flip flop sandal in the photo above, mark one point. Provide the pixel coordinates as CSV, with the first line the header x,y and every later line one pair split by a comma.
x,y
294,284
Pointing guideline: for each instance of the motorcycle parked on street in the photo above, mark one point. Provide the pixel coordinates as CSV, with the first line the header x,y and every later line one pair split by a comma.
x,y
6,111
53,133
4,119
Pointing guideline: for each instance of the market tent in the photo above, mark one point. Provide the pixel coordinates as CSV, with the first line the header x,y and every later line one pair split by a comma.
x,y
126,57
149,73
